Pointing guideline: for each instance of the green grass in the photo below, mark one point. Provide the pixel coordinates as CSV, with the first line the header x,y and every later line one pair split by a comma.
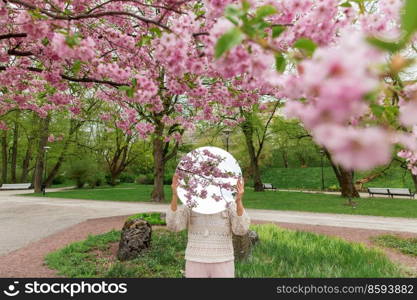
x,y
405,245
294,201
152,218
310,178
280,253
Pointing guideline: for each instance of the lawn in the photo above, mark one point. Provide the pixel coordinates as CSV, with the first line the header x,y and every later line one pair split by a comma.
x,y
280,253
295,201
310,178
405,245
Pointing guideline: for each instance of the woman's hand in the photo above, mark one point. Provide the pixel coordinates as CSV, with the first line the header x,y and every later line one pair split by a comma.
x,y
240,189
174,186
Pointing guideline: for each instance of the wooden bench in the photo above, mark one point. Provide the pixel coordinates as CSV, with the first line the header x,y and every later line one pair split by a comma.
x,y
15,186
391,192
401,192
269,186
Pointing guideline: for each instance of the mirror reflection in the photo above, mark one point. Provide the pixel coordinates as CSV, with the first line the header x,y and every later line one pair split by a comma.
x,y
207,179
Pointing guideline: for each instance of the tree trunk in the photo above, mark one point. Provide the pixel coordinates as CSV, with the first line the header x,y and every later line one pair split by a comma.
x,y
4,156
14,152
346,184
303,163
29,151
159,169
256,175
345,179
40,159
284,158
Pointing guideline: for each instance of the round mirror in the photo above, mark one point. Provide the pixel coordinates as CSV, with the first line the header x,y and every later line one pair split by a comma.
x,y
207,179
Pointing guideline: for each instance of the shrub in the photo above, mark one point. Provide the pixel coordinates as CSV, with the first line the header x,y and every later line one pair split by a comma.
x,y
96,179
334,188
168,178
59,179
152,218
128,178
80,171
144,179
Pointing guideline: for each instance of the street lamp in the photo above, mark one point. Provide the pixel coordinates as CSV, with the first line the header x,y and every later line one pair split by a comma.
x,y
45,165
322,170
227,133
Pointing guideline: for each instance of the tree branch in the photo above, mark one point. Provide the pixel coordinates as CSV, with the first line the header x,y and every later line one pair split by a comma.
x,y
75,79
88,16
12,35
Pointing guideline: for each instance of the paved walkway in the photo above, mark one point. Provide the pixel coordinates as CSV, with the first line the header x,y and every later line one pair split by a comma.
x,y
24,219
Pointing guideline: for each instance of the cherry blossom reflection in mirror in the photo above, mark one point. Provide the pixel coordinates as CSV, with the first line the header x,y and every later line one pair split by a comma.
x,y
207,179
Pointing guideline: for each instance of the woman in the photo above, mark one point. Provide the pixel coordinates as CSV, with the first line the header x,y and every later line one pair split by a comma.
x,y
209,251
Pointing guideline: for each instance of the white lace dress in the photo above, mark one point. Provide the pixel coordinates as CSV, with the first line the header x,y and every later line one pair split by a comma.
x,y
209,235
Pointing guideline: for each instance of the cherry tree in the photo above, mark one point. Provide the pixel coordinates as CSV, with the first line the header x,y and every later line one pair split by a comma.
x,y
170,64
338,64
148,58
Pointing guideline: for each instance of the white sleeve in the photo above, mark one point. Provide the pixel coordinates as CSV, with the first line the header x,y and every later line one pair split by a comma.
x,y
240,224
177,220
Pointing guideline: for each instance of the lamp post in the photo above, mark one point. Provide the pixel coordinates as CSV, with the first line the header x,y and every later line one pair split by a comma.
x,y
322,170
45,165
227,133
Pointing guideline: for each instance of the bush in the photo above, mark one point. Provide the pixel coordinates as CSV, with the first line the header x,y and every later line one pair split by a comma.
x,y
144,179
59,179
333,188
128,178
96,179
80,171
168,178
152,218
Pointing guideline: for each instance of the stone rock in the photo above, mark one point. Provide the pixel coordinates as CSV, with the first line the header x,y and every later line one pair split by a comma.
x,y
243,244
135,238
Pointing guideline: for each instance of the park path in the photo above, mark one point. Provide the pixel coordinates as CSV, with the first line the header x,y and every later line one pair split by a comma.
x,y
24,219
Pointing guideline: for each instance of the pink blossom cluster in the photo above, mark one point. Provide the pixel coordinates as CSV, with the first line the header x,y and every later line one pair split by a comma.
x,y
215,8
147,89
84,51
335,88
336,92
384,20
408,106
317,20
144,129
410,158
355,148
114,72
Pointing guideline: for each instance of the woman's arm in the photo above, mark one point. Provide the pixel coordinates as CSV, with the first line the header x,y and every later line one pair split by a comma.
x,y
239,219
176,218
174,186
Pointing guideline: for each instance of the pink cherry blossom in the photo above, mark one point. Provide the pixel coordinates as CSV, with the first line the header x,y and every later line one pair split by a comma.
x,y
355,148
